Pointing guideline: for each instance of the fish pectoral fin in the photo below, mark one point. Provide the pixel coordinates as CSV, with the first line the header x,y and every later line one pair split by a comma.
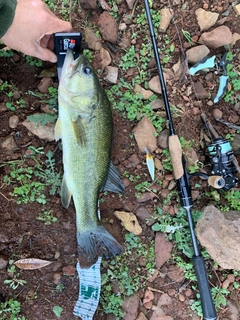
x,y
65,194
113,183
58,130
79,131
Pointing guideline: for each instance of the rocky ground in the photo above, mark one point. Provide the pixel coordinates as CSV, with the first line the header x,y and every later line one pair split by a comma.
x,y
152,279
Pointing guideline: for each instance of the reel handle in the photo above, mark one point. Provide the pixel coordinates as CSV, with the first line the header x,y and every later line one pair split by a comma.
x,y
217,182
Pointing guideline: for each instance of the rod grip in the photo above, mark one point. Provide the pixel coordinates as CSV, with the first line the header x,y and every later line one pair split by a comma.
x,y
209,312
175,150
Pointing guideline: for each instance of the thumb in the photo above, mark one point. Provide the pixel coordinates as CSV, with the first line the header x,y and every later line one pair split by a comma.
x,y
45,54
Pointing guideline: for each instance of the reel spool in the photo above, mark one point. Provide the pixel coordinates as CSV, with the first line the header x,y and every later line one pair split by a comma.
x,y
222,159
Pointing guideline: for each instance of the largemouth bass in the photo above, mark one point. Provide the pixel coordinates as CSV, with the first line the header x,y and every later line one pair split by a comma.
x,y
85,127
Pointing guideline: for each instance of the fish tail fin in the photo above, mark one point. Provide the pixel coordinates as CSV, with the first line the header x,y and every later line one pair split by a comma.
x,y
96,243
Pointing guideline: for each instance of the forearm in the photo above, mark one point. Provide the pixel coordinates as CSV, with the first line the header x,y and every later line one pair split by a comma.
x,y
7,11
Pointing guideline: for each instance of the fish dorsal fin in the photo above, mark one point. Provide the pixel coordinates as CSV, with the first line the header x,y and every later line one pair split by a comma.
x,y
114,183
79,131
58,130
65,194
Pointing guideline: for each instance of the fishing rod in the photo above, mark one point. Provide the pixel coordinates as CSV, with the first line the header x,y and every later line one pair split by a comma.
x,y
184,188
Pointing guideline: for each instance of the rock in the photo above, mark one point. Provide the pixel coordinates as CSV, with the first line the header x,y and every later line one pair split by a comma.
x,y
158,164
56,278
45,132
165,20
69,270
197,53
130,4
3,261
175,273
48,73
8,144
129,221
145,93
163,139
206,19
111,74
146,196
46,109
234,309
141,316
133,161
154,85
157,104
219,232
13,121
16,94
236,144
158,313
92,40
105,57
144,134
200,92
122,26
144,215
88,4
3,107
148,296
44,84
108,27
217,113
237,9
216,38
163,249
235,38
191,156
130,307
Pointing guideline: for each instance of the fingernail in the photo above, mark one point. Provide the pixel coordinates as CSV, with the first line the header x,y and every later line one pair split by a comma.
x,y
53,60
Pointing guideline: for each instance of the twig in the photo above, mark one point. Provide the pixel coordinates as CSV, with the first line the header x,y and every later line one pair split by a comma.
x,y
156,290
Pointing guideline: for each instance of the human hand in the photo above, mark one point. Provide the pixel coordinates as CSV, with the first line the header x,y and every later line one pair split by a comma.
x,y
32,29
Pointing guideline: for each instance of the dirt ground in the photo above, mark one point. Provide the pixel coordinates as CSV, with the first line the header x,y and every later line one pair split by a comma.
x,y
22,235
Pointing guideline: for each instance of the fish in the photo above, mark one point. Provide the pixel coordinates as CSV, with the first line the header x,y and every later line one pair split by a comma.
x,y
85,127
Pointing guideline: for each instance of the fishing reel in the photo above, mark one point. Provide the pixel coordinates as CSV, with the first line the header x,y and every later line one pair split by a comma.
x,y
222,159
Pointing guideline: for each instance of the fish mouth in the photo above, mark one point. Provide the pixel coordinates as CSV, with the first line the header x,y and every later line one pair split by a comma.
x,y
72,66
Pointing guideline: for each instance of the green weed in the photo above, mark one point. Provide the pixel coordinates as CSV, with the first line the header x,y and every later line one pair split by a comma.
x,y
132,105
14,282
129,60
121,274
6,53
10,310
232,95
177,228
30,182
187,36
52,101
47,217
233,197
34,61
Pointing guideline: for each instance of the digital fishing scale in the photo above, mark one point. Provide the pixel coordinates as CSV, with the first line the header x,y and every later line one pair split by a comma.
x,y
63,42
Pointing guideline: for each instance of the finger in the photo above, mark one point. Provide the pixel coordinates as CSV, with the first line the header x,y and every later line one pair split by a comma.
x,y
58,25
45,54
44,42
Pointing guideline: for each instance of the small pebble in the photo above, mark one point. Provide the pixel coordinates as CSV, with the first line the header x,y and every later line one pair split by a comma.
x,y
216,113
181,297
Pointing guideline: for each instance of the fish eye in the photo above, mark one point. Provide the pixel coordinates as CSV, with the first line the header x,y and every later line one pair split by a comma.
x,y
87,70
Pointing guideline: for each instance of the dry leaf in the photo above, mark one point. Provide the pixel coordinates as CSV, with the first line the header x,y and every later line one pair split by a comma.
x,y
32,264
129,221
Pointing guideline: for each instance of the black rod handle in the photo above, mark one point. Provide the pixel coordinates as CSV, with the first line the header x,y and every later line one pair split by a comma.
x,y
209,312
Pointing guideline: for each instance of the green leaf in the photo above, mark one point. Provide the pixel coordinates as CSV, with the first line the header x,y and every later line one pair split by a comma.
x,y
57,310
